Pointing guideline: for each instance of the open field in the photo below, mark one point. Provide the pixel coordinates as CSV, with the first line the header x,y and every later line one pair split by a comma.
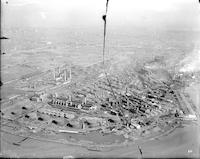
x,y
180,143
26,58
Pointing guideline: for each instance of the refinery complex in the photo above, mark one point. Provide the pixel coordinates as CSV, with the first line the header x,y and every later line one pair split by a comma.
x,y
65,94
132,103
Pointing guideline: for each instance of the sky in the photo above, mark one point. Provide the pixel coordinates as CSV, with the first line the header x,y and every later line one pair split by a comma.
x,y
175,14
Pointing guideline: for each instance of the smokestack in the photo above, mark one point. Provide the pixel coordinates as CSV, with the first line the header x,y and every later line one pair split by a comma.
x,y
70,73
65,75
59,70
85,101
55,74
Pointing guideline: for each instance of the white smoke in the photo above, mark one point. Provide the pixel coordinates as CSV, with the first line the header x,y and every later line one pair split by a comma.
x,y
192,62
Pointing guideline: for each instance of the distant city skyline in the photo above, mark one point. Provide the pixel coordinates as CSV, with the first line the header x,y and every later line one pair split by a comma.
x,y
173,14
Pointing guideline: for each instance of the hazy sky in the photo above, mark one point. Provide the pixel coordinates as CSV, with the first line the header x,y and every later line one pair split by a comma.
x,y
183,14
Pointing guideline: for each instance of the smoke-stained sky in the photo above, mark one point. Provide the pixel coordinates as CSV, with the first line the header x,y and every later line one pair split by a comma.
x,y
173,14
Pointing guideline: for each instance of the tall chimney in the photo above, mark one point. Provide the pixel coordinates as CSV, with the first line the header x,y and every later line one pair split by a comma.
x,y
58,70
70,73
65,75
54,74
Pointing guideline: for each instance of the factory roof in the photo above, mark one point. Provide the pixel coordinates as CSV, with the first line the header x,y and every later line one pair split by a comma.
x,y
62,98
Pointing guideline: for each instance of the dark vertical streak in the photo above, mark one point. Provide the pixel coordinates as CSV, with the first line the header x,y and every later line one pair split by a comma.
x,y
104,45
0,22
140,150
107,6
104,37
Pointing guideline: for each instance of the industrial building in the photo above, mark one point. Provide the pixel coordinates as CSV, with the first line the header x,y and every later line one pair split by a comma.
x,y
62,74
